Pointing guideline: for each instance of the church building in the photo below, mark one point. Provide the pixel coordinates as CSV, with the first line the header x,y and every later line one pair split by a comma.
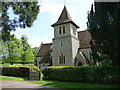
x,y
68,48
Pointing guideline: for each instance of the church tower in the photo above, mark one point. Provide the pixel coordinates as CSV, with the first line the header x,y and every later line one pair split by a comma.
x,y
65,42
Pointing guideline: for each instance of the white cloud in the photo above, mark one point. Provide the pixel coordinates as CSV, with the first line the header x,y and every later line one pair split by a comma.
x,y
54,8
35,43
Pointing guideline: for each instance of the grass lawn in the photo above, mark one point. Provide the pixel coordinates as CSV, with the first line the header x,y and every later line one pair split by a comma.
x,y
11,78
61,84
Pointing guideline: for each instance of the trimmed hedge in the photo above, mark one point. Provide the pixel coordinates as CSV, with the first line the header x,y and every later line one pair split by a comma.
x,y
27,72
98,75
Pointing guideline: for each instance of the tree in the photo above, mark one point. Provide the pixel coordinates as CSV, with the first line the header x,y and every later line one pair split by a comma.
x,y
34,50
27,55
11,51
17,51
103,24
27,13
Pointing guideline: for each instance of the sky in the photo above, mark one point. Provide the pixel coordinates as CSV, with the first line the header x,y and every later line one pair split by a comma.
x,y
50,10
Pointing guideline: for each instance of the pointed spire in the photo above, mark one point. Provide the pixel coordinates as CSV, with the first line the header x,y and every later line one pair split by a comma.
x,y
64,18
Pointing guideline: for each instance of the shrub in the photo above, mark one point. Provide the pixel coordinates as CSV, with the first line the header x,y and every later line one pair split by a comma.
x,y
84,74
27,72
10,71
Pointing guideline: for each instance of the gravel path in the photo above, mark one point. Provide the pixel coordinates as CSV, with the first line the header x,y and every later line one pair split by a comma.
x,y
16,85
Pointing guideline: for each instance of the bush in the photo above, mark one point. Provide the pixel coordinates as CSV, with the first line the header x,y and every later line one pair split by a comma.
x,y
10,71
27,72
100,75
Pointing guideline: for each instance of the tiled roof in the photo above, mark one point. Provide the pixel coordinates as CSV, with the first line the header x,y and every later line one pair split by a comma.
x,y
84,38
64,18
46,58
44,49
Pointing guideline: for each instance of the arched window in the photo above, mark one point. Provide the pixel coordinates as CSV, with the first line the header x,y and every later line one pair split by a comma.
x,y
79,63
62,59
60,31
63,29
90,53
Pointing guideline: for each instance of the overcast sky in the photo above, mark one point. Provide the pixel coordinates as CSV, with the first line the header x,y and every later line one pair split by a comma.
x,y
50,10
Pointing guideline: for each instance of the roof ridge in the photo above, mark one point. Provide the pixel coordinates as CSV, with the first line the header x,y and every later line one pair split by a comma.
x,y
46,43
82,31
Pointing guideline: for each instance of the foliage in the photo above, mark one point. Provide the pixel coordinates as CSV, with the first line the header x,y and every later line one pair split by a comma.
x,y
11,51
11,71
103,24
27,55
26,14
30,67
102,75
17,51
35,50
27,72
59,66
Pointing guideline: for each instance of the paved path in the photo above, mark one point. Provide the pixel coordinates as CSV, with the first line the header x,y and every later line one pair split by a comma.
x,y
16,85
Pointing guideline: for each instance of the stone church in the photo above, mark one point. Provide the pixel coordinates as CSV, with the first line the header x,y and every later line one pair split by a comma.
x,y
68,48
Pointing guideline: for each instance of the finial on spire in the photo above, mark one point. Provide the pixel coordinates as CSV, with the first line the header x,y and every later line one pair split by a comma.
x,y
64,2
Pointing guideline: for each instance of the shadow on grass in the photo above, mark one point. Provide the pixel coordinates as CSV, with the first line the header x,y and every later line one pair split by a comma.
x,y
74,85
63,85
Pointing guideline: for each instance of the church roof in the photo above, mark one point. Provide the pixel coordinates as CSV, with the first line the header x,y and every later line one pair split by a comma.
x,y
44,49
46,58
84,38
64,18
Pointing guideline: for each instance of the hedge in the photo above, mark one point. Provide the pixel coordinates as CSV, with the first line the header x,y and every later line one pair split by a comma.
x,y
27,72
90,74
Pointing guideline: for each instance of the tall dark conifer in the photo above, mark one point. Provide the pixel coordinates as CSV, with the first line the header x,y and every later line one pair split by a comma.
x,y
103,24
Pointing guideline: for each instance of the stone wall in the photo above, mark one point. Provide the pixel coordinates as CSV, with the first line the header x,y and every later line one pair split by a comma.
x,y
69,48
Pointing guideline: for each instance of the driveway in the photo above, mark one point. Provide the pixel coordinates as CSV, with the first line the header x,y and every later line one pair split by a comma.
x,y
16,85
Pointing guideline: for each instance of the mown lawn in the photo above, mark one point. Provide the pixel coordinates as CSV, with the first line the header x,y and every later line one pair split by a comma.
x,y
61,84
11,78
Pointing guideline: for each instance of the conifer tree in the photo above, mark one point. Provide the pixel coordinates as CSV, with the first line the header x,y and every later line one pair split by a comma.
x,y
103,24
26,14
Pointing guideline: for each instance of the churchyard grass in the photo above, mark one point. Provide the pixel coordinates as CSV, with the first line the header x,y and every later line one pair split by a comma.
x,y
60,84
11,78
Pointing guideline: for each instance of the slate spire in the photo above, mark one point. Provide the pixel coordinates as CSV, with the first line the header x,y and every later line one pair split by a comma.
x,y
64,18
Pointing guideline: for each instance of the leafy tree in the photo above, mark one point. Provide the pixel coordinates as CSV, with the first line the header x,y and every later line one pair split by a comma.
x,y
35,50
17,51
27,55
11,52
26,14
103,24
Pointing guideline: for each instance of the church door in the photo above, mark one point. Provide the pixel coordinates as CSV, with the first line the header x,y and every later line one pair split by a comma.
x,y
79,64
